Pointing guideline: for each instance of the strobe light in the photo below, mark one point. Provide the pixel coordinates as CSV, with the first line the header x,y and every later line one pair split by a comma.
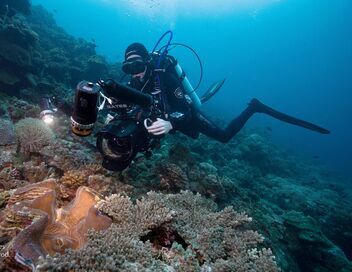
x,y
47,110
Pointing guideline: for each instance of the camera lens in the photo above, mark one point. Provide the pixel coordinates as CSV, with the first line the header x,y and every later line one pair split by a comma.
x,y
117,148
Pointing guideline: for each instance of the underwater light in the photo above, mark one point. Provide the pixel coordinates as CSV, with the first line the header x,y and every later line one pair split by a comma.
x,y
47,110
48,118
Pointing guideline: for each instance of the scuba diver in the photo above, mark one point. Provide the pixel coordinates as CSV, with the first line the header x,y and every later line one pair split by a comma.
x,y
180,110
156,101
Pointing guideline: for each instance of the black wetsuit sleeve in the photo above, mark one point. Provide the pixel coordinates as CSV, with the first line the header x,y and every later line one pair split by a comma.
x,y
176,105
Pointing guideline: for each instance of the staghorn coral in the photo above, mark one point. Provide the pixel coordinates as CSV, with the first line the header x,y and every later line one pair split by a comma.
x,y
213,234
42,228
201,239
32,135
135,220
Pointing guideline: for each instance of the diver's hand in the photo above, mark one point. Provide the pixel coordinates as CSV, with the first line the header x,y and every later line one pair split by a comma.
x,y
159,127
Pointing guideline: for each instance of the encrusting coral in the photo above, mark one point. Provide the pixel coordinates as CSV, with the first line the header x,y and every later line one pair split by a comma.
x,y
181,232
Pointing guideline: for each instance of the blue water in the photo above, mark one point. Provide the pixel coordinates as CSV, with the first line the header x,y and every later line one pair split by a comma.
x,y
294,55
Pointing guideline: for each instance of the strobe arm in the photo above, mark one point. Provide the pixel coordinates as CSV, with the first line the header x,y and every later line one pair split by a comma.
x,y
125,93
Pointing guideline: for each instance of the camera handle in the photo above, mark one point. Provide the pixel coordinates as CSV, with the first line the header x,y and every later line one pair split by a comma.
x,y
147,122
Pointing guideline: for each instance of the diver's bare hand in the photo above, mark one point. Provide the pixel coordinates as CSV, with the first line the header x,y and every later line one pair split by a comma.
x,y
159,127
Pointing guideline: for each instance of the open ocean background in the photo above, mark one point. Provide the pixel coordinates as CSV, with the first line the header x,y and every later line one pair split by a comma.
x,y
293,55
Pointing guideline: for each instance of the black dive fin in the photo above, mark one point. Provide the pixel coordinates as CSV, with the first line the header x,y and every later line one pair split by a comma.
x,y
211,91
260,107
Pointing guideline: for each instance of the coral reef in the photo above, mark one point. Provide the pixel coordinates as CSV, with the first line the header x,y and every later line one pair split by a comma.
x,y
303,211
160,232
32,135
266,189
304,235
7,134
40,57
18,5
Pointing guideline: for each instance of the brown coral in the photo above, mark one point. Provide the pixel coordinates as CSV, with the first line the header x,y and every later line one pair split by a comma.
x,y
4,197
36,172
86,176
74,178
10,178
172,177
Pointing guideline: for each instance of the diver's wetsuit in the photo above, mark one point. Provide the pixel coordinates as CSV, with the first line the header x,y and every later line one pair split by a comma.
x,y
205,126
192,121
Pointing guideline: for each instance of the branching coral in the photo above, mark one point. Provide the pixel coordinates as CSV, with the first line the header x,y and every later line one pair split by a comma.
x,y
138,219
213,234
201,239
32,135
110,250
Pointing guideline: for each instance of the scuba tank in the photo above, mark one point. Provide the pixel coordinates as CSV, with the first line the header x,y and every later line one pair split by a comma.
x,y
170,64
175,68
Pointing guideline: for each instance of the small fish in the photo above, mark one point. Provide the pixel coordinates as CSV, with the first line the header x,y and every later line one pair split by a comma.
x,y
269,128
93,40
315,157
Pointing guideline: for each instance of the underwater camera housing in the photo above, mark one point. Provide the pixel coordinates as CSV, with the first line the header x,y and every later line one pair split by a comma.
x,y
120,141
125,135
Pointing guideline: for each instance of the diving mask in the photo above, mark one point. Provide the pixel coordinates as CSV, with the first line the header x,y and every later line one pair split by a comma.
x,y
133,66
